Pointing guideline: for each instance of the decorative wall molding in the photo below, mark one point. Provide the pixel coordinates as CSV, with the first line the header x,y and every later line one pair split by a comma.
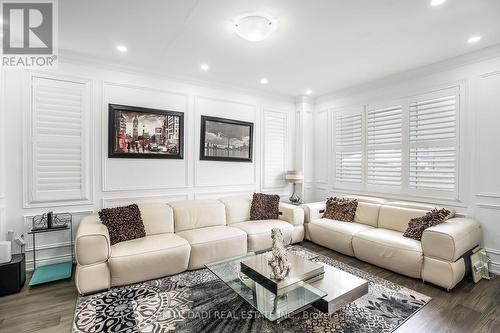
x,y
197,127
485,75
104,136
488,206
221,194
31,196
488,195
125,200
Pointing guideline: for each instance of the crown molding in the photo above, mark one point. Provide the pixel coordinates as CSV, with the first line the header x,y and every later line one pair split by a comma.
x,y
463,60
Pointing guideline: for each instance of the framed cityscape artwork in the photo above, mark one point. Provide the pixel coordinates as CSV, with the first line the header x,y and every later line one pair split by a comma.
x,y
226,140
136,132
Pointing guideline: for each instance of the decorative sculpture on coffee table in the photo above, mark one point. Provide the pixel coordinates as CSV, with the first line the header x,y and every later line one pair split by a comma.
x,y
279,261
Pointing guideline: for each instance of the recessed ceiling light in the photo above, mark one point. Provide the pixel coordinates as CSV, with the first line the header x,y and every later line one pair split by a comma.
x,y
473,39
121,48
254,27
435,3
204,67
309,92
264,80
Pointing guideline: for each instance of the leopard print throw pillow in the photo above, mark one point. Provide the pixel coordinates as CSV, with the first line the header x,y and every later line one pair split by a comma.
x,y
341,209
417,225
123,223
265,207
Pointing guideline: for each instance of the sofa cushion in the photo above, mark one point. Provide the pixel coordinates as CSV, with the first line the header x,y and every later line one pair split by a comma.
x,y
123,223
148,258
237,208
417,225
367,213
341,209
259,233
193,214
264,206
335,235
397,218
212,244
389,249
158,217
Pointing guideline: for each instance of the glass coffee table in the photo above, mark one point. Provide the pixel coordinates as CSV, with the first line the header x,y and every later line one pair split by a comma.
x,y
297,297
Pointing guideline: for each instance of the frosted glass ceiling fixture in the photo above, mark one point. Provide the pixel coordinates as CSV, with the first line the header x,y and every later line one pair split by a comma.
x,y
254,27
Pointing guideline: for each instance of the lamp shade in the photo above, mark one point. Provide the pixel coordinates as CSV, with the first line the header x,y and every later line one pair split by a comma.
x,y
294,176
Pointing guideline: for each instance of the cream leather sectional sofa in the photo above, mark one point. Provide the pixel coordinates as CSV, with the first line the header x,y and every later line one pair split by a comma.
x,y
180,236
376,236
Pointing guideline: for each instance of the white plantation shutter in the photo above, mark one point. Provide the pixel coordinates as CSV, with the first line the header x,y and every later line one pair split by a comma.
x,y
434,142
275,131
348,145
384,146
59,163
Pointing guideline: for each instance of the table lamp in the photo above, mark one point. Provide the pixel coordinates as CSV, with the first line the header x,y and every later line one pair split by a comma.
x,y
294,177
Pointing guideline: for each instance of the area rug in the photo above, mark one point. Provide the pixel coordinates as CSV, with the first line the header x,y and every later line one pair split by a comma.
x,y
197,301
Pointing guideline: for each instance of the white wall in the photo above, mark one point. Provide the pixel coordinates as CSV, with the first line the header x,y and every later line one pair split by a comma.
x,y
479,176
121,181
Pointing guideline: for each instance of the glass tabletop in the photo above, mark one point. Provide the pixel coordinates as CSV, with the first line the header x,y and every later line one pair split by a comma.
x,y
270,305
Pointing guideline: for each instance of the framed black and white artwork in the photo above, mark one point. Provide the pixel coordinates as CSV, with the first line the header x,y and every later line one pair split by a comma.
x,y
136,132
226,140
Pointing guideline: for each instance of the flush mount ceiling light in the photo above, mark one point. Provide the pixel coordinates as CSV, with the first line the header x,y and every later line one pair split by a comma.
x,y
121,48
254,27
435,3
473,39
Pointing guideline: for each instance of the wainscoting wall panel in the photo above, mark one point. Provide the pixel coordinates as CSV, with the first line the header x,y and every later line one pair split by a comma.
x,y
479,179
215,173
115,182
120,174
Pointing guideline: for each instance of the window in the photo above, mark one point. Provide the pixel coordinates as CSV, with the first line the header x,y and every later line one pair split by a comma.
x,y
348,143
407,147
384,146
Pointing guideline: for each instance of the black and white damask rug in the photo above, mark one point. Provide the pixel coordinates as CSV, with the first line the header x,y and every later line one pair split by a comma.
x,y
198,301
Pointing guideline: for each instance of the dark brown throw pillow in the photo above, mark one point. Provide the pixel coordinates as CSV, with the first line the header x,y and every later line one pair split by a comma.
x,y
417,225
341,209
123,223
265,207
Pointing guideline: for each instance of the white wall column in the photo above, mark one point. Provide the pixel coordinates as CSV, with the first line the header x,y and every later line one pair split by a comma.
x,y
304,106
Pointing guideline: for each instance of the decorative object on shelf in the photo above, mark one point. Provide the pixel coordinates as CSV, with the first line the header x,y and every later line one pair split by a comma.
x,y
53,272
136,132
51,221
226,140
13,274
279,261
294,177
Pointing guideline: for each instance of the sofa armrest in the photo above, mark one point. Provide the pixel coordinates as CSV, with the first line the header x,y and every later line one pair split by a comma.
x,y
313,211
291,214
451,239
92,243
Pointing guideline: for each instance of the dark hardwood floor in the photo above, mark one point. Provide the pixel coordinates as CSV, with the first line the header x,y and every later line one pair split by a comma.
x,y
468,307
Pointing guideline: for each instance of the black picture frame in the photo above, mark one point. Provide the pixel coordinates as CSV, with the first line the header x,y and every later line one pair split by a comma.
x,y
176,150
205,157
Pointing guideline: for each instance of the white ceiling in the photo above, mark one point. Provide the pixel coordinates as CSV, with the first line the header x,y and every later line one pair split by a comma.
x,y
324,45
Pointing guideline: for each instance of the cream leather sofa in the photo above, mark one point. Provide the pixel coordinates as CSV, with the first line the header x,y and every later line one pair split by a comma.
x,y
179,236
376,236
